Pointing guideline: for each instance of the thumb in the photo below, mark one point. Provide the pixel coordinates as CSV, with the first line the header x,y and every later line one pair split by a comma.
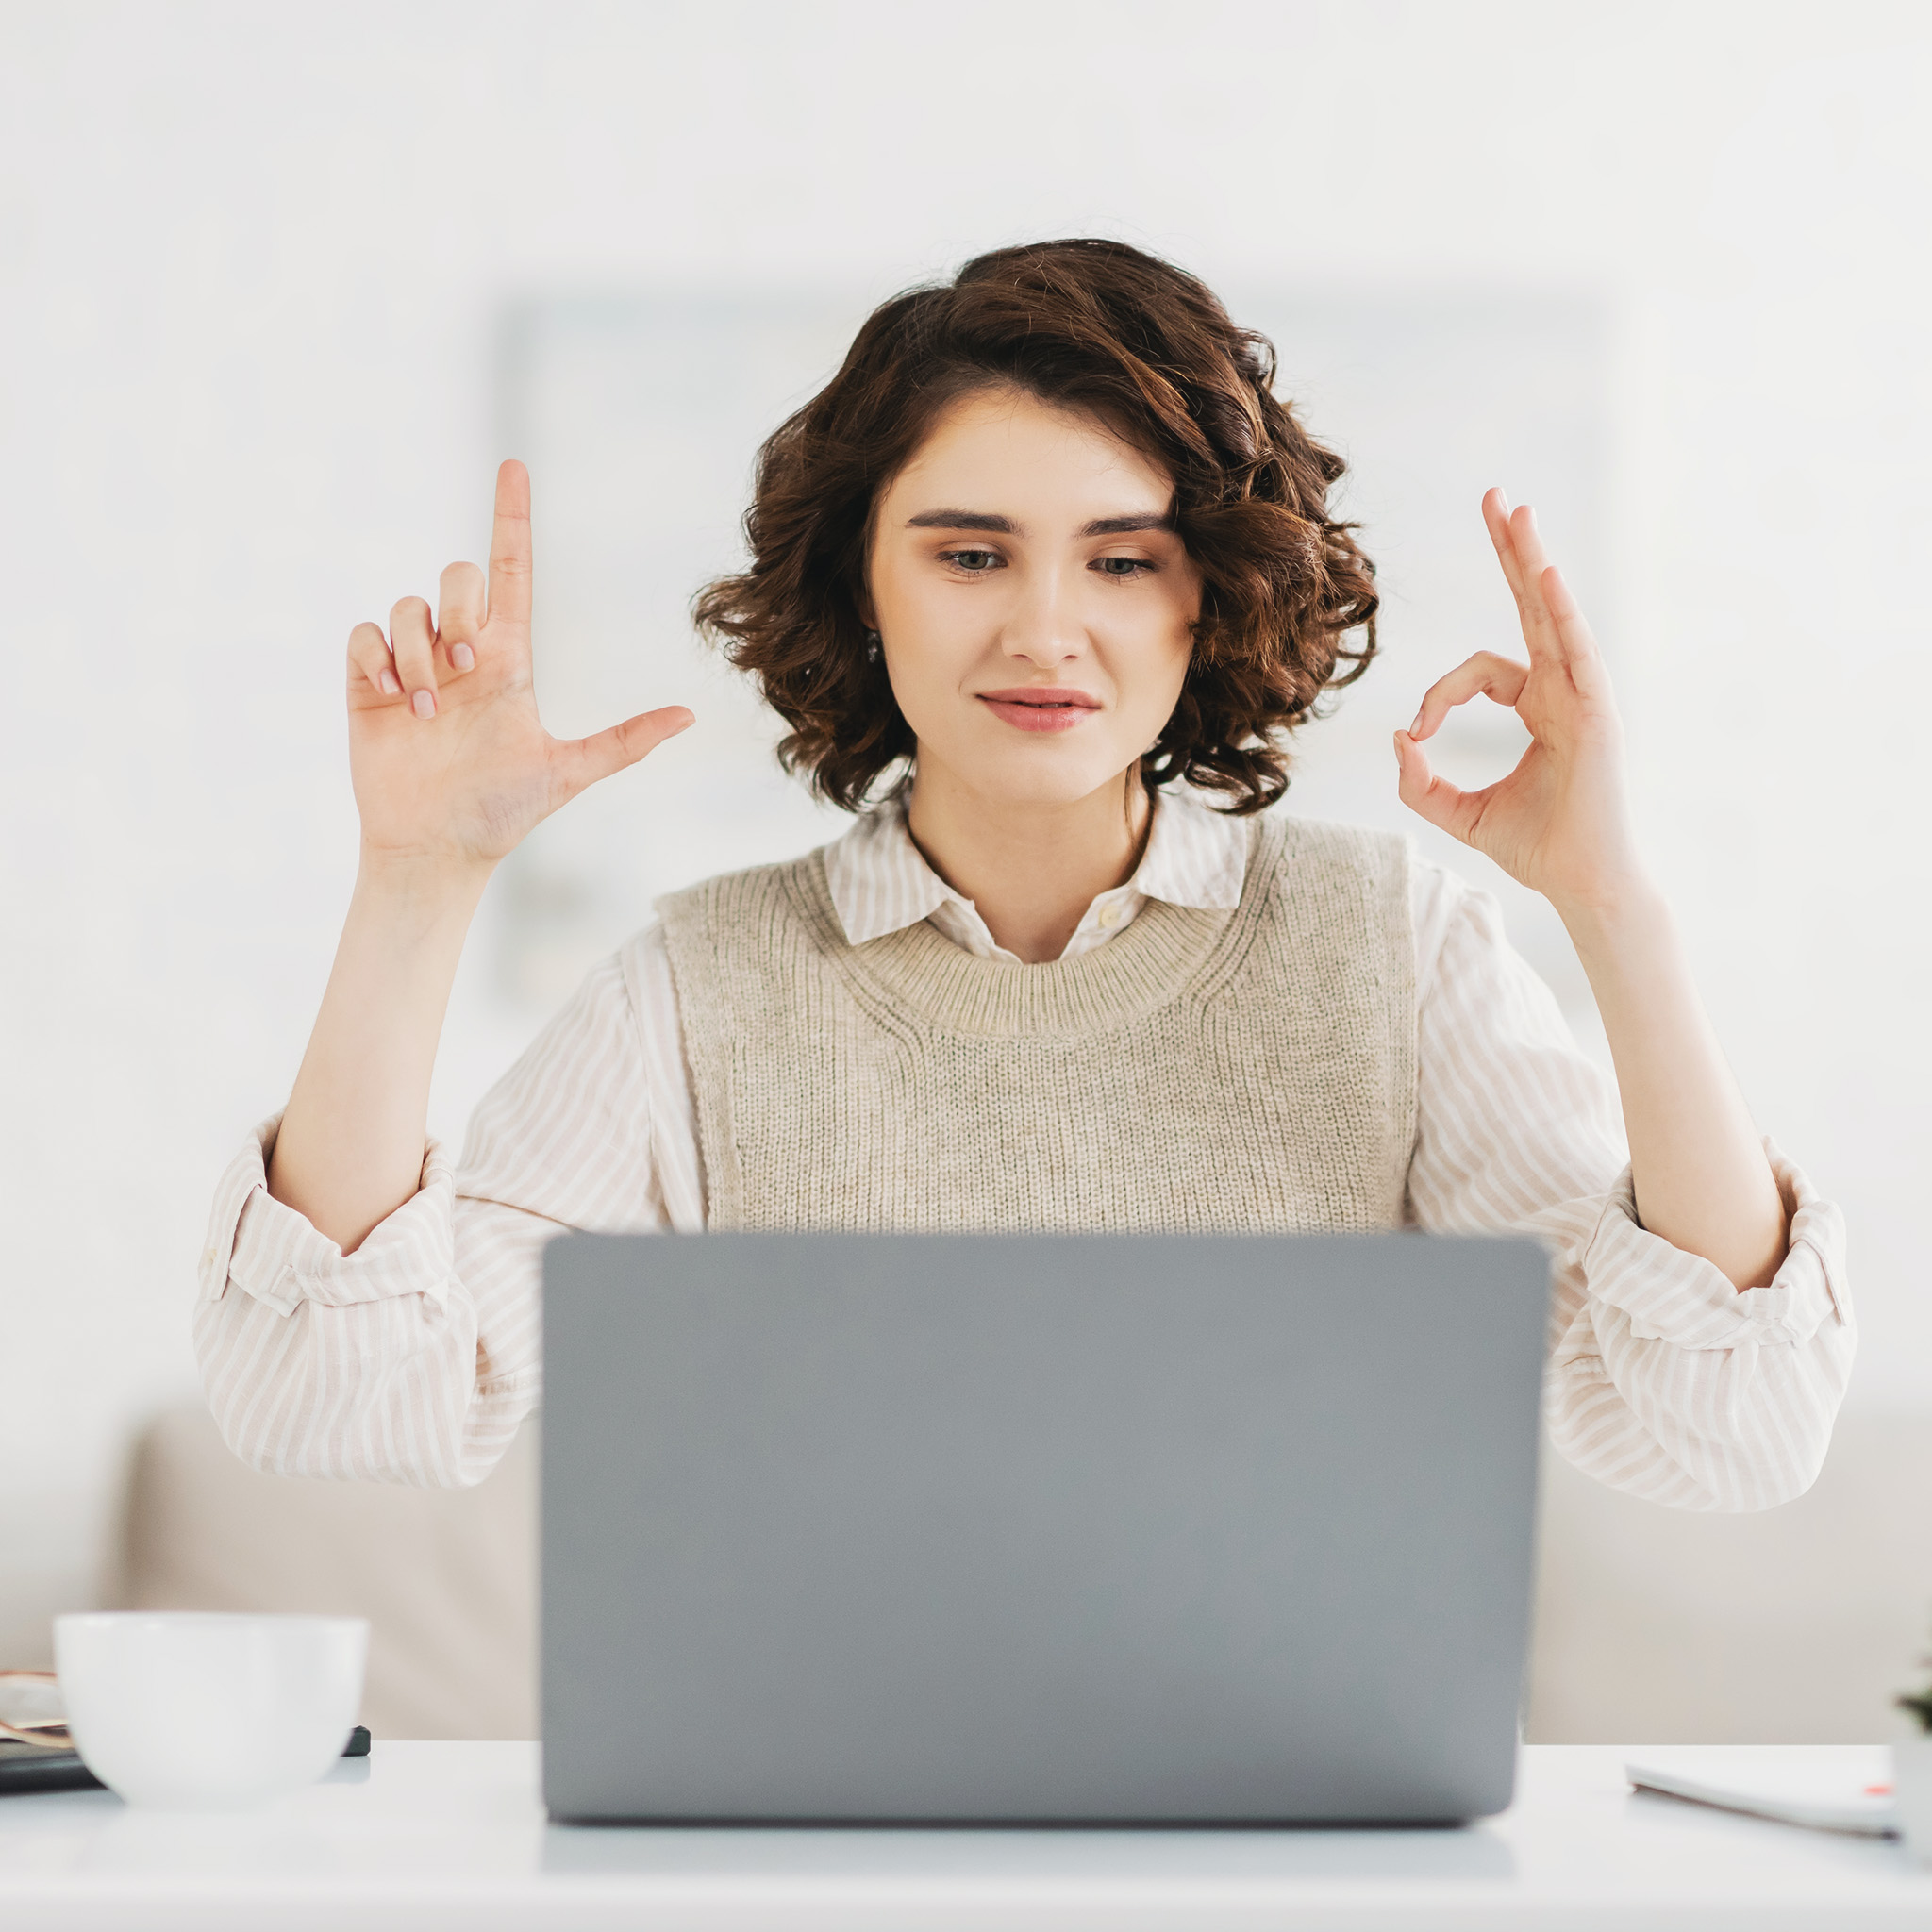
x,y
587,760
1443,803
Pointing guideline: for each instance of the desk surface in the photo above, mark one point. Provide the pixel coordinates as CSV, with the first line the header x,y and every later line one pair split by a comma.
x,y
439,1835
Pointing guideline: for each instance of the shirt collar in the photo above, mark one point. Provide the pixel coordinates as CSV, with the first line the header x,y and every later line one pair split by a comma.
x,y
880,882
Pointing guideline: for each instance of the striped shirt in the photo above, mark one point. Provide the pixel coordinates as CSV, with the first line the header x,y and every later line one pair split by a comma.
x,y
415,1358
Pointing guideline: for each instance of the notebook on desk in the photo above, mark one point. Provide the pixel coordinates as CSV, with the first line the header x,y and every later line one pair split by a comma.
x,y
1037,1529
1824,1789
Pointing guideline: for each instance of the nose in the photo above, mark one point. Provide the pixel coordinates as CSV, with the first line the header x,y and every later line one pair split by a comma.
x,y
1042,628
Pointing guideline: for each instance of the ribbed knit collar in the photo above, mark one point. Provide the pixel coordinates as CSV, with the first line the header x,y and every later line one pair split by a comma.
x,y
880,883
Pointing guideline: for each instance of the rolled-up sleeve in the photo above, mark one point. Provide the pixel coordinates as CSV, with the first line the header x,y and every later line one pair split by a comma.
x,y
1664,1381
1667,1382
414,1359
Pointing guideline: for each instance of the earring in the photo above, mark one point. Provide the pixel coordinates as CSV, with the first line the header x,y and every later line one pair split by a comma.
x,y
872,646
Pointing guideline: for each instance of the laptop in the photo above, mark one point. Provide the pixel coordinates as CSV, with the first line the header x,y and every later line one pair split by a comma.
x,y
1037,1529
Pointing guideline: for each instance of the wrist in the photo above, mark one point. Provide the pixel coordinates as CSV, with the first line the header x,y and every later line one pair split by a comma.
x,y
1619,926
429,883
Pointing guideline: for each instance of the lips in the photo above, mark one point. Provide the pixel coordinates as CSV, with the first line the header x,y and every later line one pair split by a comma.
x,y
1041,707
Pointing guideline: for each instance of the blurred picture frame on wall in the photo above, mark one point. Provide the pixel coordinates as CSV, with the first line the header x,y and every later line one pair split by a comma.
x,y
640,415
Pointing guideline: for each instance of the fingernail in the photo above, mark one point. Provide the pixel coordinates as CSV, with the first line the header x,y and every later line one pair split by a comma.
x,y
423,703
462,657
389,686
1417,725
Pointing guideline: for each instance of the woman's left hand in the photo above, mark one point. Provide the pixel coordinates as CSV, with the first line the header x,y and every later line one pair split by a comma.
x,y
1559,823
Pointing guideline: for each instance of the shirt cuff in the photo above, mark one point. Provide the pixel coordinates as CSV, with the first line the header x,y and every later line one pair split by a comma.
x,y
1680,1298
274,1254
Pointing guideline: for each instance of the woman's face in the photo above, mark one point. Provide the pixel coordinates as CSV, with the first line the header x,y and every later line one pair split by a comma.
x,y
1034,606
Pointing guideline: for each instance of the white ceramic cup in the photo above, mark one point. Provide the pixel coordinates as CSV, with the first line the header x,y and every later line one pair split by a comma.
x,y
202,1711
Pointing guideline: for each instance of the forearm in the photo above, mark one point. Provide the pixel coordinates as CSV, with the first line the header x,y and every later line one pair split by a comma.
x,y
1698,1167
350,1149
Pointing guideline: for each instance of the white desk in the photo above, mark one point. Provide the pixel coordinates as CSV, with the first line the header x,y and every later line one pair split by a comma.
x,y
453,1835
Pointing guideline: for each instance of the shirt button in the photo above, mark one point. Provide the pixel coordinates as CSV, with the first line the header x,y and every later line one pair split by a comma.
x,y
1109,915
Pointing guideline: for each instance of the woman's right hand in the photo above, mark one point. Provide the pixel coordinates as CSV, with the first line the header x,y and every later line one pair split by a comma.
x,y
452,766
450,763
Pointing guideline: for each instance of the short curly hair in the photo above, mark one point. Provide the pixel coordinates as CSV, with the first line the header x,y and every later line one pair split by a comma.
x,y
1082,325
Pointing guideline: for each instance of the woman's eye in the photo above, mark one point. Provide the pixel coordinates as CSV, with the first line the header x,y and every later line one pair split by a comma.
x,y
974,562
1121,566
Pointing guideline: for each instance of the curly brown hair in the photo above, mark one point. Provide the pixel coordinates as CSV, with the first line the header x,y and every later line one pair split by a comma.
x,y
1083,324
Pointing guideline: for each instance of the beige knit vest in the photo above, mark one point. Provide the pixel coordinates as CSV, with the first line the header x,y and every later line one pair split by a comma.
x,y
1241,1072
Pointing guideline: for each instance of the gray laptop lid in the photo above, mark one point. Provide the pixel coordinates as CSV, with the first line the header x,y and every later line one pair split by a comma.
x,y
1119,1528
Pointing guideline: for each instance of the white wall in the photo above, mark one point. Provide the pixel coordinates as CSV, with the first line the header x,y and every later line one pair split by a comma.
x,y
253,259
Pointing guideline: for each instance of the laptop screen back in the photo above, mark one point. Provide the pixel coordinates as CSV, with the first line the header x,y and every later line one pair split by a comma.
x,y
1037,1528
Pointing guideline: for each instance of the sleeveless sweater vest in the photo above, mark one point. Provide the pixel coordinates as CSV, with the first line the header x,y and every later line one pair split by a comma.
x,y
1202,1072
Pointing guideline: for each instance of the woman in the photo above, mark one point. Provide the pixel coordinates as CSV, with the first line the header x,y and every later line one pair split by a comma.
x,y
1044,551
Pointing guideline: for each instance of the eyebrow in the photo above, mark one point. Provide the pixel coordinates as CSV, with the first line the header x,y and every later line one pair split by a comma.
x,y
1006,526
1121,526
962,520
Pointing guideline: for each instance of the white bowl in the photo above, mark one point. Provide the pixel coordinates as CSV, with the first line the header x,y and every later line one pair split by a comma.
x,y
196,1710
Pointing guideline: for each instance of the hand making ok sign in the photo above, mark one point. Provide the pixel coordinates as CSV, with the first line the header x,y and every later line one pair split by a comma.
x,y
1559,823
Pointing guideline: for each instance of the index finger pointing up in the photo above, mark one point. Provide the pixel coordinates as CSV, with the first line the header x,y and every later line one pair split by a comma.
x,y
509,546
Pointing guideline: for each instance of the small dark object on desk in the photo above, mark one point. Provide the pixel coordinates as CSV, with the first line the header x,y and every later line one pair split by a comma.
x,y
33,1768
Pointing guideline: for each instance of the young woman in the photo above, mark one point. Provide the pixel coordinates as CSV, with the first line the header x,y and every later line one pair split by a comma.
x,y
1040,582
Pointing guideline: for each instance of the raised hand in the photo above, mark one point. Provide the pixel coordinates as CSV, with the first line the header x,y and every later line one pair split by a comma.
x,y
449,759
1559,823
452,766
